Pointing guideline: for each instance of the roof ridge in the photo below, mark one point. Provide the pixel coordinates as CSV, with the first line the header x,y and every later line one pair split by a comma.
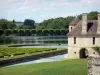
x,y
74,21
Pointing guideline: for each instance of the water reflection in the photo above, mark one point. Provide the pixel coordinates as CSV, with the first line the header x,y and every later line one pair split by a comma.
x,y
45,46
33,39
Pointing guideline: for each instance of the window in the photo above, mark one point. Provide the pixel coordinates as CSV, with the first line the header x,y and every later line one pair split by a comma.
x,y
89,26
93,40
74,40
71,28
93,52
74,52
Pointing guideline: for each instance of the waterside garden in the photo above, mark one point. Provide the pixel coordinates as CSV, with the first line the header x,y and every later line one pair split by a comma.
x,y
11,53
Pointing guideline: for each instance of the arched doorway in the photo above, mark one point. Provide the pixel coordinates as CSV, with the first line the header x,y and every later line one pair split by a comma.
x,y
83,53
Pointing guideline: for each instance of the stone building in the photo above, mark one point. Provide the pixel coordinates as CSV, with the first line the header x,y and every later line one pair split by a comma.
x,y
83,36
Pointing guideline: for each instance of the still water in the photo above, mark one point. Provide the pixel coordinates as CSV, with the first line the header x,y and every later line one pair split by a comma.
x,y
49,59
46,46
33,40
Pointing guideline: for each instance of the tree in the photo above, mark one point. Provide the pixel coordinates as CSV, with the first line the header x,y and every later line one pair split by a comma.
x,y
21,32
57,32
13,24
29,22
15,32
57,23
38,32
1,32
20,27
33,32
52,32
45,32
93,15
27,32
7,32
5,24
63,32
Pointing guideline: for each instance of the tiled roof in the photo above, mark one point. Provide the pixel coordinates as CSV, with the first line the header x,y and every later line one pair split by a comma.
x,y
77,31
74,21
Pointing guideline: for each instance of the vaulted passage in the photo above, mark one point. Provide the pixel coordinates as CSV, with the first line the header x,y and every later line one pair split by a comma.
x,y
83,53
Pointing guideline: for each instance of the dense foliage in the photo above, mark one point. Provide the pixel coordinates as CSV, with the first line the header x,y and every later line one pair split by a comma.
x,y
97,49
33,32
28,23
91,16
57,23
63,23
57,26
5,24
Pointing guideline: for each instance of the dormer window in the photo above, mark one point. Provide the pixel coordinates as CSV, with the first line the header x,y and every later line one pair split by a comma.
x,y
89,26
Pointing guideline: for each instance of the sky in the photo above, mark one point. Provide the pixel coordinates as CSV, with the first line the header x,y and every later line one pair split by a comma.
x,y
40,10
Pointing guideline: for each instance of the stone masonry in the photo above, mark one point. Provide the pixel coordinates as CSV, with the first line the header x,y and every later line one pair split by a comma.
x,y
94,66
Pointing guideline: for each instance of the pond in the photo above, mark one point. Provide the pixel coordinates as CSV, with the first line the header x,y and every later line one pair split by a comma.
x,y
33,39
45,46
49,59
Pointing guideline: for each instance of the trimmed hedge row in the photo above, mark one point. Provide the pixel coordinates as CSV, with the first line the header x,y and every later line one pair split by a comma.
x,y
27,32
20,51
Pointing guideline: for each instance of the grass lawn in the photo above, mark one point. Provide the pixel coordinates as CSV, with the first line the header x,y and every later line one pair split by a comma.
x,y
66,67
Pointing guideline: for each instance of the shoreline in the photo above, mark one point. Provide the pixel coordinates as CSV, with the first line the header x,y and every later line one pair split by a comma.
x,y
30,58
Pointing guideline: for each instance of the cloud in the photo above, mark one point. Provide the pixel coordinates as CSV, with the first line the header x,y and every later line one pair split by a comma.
x,y
44,9
90,1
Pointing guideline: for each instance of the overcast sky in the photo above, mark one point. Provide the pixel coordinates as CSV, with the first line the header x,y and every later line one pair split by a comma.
x,y
40,10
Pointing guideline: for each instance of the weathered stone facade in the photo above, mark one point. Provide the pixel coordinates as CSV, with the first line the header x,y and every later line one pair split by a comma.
x,y
94,66
83,34
86,42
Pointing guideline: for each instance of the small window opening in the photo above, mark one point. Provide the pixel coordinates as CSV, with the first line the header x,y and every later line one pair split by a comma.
x,y
89,26
93,52
74,52
71,28
74,40
93,40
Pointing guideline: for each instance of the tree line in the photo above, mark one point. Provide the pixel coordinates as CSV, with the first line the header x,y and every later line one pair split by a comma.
x,y
54,26
57,23
63,23
33,32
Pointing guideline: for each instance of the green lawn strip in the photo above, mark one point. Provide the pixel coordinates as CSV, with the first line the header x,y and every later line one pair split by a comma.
x,y
65,67
24,53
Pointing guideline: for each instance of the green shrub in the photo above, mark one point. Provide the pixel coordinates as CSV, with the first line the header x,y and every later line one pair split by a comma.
x,y
97,49
22,51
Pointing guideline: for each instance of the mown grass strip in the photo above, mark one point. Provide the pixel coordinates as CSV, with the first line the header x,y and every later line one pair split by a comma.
x,y
66,67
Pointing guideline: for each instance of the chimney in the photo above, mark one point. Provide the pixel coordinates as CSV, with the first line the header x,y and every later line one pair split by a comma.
x,y
84,23
98,29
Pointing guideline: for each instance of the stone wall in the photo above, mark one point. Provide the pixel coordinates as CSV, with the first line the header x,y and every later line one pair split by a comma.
x,y
94,66
86,41
82,42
